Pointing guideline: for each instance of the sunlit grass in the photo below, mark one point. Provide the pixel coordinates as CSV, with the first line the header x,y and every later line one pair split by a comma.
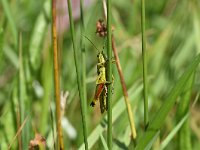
x,y
26,74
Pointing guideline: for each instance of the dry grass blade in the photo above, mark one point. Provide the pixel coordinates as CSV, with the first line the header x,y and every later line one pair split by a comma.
x,y
126,98
18,132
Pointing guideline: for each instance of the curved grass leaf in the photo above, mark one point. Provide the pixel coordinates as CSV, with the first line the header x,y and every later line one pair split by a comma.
x,y
104,142
158,120
37,36
173,132
184,137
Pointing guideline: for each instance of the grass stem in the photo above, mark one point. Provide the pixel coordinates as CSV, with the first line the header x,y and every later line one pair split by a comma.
x,y
80,87
109,75
56,77
82,45
144,59
126,97
18,132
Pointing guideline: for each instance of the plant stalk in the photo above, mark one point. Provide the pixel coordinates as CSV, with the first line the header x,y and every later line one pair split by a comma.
x,y
56,77
109,75
80,87
82,45
126,97
144,59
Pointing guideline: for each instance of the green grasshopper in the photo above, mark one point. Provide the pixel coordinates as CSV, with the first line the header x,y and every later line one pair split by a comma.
x,y
101,82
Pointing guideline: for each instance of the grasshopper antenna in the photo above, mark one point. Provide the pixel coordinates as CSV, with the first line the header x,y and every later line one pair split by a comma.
x,y
91,43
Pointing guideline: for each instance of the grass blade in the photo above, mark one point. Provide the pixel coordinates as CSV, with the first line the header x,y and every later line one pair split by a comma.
x,y
160,116
82,45
184,138
18,132
146,118
11,21
83,56
37,37
80,88
1,41
103,142
126,97
148,147
173,132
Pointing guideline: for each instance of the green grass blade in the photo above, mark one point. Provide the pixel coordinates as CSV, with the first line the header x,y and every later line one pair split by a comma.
x,y
104,142
83,56
196,24
78,73
11,19
144,59
47,68
160,116
173,132
11,55
22,98
184,138
1,41
1,44
154,138
37,37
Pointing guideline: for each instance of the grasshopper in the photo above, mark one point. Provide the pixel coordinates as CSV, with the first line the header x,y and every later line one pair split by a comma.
x,y
101,88
101,82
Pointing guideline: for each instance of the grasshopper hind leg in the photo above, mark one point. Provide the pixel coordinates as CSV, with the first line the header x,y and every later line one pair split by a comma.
x,y
103,100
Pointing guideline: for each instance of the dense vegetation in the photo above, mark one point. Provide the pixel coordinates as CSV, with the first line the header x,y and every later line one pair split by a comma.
x,y
27,97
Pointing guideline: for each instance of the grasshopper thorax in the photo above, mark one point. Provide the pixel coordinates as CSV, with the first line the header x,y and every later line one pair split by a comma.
x,y
101,57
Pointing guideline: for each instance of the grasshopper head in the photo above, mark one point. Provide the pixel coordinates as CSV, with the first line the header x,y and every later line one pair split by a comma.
x,y
101,58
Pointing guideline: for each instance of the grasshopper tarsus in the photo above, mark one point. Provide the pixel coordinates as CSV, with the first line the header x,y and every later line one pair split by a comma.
x,y
113,60
92,104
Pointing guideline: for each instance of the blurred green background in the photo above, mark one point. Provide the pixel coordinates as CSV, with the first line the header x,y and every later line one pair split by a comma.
x,y
26,69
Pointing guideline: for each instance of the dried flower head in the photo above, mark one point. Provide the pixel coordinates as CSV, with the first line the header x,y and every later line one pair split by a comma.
x,y
101,29
38,141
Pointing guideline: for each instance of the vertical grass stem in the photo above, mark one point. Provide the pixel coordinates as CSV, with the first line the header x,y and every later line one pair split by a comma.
x,y
80,87
145,93
109,75
56,77
82,45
